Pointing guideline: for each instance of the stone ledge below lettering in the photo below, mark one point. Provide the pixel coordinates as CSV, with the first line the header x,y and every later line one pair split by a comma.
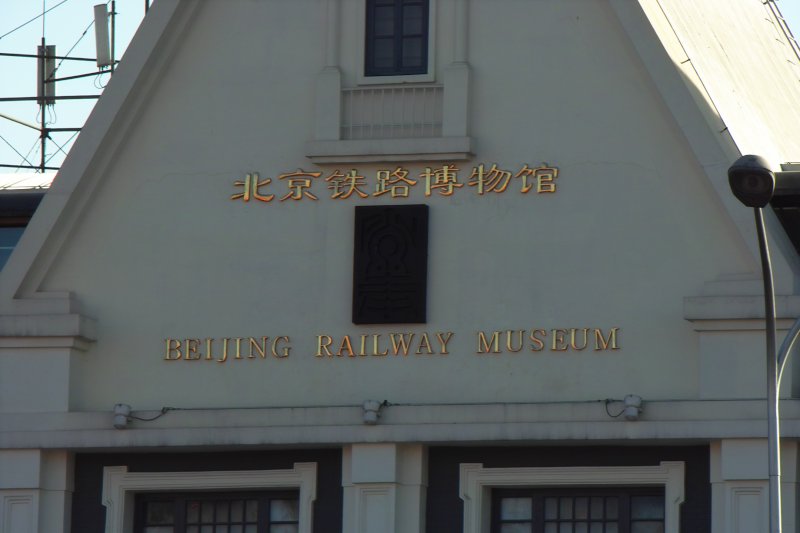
x,y
281,426
725,313
390,150
50,331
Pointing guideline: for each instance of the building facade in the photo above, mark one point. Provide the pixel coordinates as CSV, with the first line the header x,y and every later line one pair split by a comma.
x,y
374,266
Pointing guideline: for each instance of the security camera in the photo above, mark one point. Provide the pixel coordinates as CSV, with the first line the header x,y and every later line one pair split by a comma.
x,y
752,181
755,184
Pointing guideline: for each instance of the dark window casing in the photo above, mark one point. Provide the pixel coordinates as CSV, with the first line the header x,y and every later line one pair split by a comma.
x,y
390,264
444,507
88,512
190,512
396,42
621,509
16,209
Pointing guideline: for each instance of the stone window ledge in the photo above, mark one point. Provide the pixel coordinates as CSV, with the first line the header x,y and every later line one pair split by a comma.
x,y
390,150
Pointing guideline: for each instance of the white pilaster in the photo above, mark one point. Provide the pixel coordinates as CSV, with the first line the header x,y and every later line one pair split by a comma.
x,y
329,81
35,491
456,77
740,487
384,488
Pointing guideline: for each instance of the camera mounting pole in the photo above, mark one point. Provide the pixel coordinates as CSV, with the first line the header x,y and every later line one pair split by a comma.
x,y
754,184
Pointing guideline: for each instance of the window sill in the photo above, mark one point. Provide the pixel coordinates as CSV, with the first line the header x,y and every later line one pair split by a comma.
x,y
396,80
390,150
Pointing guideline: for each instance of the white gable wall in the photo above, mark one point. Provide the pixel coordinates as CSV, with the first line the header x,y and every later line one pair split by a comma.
x,y
162,252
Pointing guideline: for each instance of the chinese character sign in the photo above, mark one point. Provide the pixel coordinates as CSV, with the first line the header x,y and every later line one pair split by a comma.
x,y
445,180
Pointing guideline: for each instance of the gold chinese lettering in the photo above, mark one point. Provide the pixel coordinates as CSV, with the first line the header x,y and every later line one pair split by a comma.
x,y
251,188
544,176
444,179
299,184
344,185
396,183
491,180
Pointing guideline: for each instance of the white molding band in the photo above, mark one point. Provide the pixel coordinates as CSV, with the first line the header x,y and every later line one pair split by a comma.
x,y
120,486
475,482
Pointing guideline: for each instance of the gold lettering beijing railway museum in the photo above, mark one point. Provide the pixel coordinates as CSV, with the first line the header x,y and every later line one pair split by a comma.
x,y
397,183
497,342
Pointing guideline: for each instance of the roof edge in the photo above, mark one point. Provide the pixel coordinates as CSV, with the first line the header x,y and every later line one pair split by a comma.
x,y
94,149
681,88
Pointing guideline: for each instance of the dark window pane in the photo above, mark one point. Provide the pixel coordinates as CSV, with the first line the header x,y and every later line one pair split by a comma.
x,y
284,511
251,511
412,20
565,508
383,53
612,505
10,236
207,512
390,267
284,528
160,513
412,52
647,527
222,511
644,507
582,508
515,509
384,21
193,512
592,510
515,528
551,508
237,511
597,507
5,253
396,37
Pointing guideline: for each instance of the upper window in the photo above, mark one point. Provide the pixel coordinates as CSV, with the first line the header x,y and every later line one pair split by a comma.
x,y
16,210
396,37
596,510
232,512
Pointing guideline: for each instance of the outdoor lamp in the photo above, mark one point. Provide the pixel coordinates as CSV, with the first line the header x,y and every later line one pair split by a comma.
x,y
122,415
754,184
633,407
372,411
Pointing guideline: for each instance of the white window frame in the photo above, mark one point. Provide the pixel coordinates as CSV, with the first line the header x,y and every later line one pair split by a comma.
x,y
121,486
429,76
476,482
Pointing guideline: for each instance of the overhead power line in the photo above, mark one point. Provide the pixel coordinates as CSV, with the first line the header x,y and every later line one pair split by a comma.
x,y
15,150
33,19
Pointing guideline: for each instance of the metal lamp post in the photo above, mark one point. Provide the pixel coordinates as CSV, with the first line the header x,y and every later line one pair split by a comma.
x,y
754,184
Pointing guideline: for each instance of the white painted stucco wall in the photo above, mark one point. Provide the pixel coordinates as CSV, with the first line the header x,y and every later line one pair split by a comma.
x,y
161,251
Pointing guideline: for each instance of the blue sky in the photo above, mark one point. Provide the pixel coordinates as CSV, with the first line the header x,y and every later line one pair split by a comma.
x,y
64,26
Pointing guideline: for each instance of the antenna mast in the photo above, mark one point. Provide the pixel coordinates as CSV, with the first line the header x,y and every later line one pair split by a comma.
x,y
46,80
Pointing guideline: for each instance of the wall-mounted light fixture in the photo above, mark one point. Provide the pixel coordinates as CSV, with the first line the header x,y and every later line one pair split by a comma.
x,y
372,411
631,407
122,415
